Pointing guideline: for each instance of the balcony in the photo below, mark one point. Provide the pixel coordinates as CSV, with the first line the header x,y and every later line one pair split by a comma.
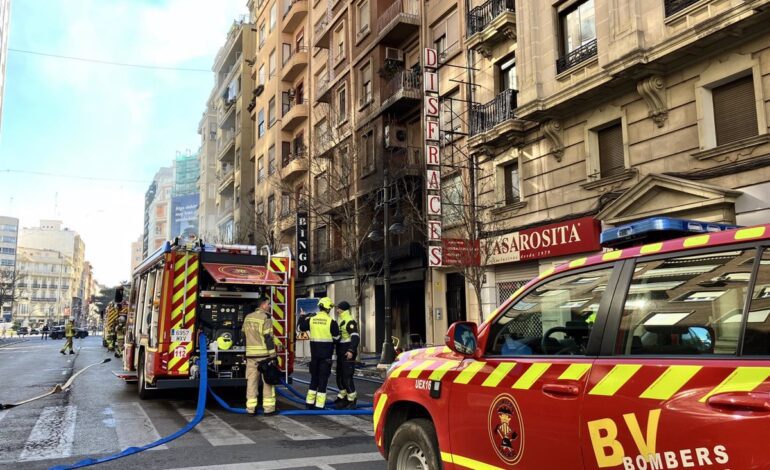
x,y
490,23
324,87
675,6
294,15
581,54
226,178
406,161
321,31
294,115
402,93
398,22
295,64
287,222
225,143
294,163
495,122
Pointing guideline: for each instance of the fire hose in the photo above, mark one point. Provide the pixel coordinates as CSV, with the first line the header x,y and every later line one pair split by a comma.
x,y
203,388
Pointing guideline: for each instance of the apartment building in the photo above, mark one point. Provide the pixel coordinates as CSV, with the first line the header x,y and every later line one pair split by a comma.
x,y
157,207
9,235
235,134
207,179
136,253
185,198
280,111
48,288
588,114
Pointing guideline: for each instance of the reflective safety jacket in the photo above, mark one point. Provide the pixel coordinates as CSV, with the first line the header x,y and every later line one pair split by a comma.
x,y
349,337
324,332
69,330
258,329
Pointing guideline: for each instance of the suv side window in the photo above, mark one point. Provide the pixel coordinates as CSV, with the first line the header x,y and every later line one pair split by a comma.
x,y
689,305
756,339
555,318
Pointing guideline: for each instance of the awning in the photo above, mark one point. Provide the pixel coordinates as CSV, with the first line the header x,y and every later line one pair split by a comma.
x,y
242,274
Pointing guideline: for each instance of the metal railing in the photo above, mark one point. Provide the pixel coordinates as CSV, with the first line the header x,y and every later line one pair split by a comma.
x,y
406,7
322,24
298,150
405,80
486,116
289,5
581,54
482,15
675,6
225,138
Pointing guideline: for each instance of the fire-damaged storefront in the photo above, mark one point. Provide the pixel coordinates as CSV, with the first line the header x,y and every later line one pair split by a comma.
x,y
517,257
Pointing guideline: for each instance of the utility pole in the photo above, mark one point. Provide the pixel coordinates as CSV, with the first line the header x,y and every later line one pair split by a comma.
x,y
388,352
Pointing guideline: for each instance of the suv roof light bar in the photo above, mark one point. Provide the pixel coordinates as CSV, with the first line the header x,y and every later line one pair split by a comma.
x,y
657,229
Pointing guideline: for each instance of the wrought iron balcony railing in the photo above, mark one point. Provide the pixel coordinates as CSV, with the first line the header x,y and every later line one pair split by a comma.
x,y
581,54
405,80
482,15
486,116
674,6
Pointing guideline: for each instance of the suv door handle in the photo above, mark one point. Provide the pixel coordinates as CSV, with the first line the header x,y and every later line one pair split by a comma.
x,y
740,401
561,390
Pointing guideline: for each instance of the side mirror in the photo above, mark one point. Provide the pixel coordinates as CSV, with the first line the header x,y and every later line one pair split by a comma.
x,y
462,338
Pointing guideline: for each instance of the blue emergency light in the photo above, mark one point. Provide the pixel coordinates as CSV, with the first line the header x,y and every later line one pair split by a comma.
x,y
656,229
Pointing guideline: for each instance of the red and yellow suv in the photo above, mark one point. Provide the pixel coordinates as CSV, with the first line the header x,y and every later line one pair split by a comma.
x,y
649,357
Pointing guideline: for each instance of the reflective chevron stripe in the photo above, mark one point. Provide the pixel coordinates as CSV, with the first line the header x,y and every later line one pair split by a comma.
x,y
616,378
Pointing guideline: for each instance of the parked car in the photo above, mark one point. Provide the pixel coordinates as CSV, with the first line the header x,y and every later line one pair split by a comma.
x,y
23,331
81,333
57,332
34,331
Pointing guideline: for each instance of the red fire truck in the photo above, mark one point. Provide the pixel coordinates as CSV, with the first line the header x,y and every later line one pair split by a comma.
x,y
182,290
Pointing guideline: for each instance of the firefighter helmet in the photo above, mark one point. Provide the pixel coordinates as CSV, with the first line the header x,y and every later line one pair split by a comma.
x,y
225,341
122,319
325,303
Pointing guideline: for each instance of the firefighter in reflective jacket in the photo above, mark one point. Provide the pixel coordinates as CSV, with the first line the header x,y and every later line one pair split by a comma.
x,y
260,346
120,336
69,333
347,350
324,333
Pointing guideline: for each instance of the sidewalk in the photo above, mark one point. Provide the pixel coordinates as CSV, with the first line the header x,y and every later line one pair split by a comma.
x,y
10,341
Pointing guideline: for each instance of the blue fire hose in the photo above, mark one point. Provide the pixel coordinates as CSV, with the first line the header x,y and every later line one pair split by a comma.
x,y
200,411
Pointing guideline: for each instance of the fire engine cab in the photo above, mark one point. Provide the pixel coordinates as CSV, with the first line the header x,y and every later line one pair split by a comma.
x,y
181,291
648,356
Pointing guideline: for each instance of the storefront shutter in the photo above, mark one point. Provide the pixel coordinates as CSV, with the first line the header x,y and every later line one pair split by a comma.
x,y
509,279
611,161
735,111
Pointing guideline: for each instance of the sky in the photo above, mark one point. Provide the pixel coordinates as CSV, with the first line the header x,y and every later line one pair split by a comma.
x,y
98,133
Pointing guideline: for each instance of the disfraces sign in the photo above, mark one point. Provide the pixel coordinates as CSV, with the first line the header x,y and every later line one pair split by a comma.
x,y
432,156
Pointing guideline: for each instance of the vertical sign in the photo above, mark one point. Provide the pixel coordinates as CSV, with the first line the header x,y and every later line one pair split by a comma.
x,y
303,263
432,156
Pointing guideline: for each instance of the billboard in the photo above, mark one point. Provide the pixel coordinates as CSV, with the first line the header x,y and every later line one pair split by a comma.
x,y
184,215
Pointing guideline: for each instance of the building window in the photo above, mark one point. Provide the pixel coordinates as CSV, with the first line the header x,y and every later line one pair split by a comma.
x,y
366,84
508,75
271,112
271,63
511,182
367,147
261,169
735,111
322,187
363,17
453,200
261,123
446,36
270,209
261,75
260,208
342,104
285,53
451,116
271,160
578,35
339,42
262,35
611,155
285,204
321,244
273,15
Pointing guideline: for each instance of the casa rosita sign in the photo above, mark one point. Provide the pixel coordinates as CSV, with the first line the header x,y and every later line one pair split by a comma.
x,y
559,239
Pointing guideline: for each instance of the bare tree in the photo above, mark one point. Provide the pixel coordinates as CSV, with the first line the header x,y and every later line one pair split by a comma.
x,y
12,283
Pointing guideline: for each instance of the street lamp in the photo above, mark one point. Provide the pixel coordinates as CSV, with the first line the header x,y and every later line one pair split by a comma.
x,y
377,234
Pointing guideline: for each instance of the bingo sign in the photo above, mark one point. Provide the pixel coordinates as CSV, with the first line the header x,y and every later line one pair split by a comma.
x,y
432,157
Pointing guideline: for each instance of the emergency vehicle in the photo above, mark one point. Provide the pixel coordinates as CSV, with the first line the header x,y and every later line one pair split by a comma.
x,y
653,356
181,291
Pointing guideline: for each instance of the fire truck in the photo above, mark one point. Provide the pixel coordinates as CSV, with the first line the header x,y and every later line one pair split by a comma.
x,y
183,290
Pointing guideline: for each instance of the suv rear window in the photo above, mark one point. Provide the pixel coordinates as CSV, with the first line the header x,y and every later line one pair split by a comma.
x,y
689,305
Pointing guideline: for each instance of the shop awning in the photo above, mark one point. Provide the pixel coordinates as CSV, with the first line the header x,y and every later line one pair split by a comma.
x,y
242,274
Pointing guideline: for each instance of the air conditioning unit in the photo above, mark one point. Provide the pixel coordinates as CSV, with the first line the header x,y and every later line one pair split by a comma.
x,y
393,54
395,136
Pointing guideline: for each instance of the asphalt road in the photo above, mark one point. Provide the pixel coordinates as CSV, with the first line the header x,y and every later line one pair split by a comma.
x,y
100,415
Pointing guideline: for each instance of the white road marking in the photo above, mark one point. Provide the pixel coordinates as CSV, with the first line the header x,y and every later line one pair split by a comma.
x,y
214,429
52,435
3,413
133,426
352,422
64,372
293,429
325,467
321,461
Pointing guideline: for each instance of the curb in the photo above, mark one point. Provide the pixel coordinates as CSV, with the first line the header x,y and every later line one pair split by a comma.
x,y
4,344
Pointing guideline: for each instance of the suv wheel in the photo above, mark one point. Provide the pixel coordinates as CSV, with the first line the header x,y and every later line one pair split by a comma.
x,y
414,447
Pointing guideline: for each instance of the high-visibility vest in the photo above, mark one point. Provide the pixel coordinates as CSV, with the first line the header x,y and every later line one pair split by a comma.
x,y
345,318
256,326
321,328
68,330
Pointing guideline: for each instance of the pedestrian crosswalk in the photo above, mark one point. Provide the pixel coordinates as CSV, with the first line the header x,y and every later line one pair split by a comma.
x,y
67,430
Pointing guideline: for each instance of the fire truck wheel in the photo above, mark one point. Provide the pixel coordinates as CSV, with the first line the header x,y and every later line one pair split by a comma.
x,y
414,447
144,393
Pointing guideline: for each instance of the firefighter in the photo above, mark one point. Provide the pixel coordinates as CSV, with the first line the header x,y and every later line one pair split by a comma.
x,y
69,333
120,335
260,346
112,336
347,349
324,333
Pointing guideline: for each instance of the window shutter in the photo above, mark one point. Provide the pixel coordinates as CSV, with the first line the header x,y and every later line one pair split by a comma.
x,y
611,161
735,112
